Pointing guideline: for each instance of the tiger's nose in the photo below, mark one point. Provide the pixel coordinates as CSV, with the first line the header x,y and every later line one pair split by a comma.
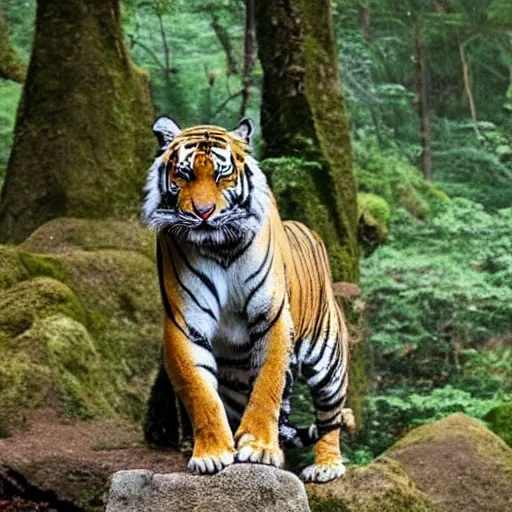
x,y
204,211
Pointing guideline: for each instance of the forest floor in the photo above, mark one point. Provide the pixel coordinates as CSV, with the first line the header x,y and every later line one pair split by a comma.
x,y
70,459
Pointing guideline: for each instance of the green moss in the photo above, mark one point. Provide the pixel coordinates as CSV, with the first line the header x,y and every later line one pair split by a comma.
x,y
11,269
373,221
294,183
41,265
383,486
23,384
93,165
76,367
500,422
21,304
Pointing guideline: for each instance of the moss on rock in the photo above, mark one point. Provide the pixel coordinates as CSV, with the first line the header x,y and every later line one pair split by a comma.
x,y
500,422
88,321
21,304
373,224
76,366
67,235
11,269
383,486
452,464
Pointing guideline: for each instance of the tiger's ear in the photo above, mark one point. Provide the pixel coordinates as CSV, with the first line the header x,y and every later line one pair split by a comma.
x,y
245,130
165,129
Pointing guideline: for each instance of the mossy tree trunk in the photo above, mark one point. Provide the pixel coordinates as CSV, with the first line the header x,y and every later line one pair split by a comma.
x,y
305,127
82,139
303,116
11,67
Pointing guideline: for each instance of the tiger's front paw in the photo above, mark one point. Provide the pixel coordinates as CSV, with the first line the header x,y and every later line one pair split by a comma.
x,y
322,473
209,464
251,449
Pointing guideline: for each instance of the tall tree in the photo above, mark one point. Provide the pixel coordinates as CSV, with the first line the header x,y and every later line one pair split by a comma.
x,y
11,67
303,115
82,138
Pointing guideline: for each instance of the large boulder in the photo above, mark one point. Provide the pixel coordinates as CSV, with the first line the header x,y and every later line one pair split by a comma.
x,y
239,487
449,465
80,321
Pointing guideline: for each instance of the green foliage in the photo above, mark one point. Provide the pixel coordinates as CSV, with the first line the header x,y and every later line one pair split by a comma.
x,y
481,172
390,176
389,416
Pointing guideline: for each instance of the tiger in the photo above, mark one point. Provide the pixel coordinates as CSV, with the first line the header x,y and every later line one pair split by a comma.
x,y
248,305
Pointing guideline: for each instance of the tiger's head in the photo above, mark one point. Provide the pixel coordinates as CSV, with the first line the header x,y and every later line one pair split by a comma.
x,y
203,187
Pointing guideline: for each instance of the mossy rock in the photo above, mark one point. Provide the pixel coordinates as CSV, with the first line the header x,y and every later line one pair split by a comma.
x,y
67,235
452,464
459,463
101,308
76,365
500,422
12,269
373,221
383,486
21,304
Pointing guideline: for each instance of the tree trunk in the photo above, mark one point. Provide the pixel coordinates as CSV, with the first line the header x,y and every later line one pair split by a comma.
x,y
11,68
303,115
306,134
467,87
83,134
420,83
249,54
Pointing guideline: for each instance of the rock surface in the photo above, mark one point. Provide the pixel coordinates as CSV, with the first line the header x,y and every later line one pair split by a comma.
x,y
239,487
455,464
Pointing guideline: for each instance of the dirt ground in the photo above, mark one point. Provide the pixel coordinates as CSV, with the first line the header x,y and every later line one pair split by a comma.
x,y
69,463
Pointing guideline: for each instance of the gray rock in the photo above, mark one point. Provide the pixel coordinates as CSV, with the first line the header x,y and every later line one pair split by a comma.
x,y
240,487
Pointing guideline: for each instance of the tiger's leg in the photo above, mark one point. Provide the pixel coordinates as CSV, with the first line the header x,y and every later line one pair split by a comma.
x,y
258,434
325,368
196,384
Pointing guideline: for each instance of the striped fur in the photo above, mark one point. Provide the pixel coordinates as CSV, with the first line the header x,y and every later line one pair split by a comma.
x,y
248,302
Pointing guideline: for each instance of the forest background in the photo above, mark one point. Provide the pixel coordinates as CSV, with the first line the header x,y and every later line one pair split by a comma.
x,y
429,92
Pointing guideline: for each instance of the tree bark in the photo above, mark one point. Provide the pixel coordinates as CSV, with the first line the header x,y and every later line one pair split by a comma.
x,y
83,133
303,115
11,67
420,84
249,54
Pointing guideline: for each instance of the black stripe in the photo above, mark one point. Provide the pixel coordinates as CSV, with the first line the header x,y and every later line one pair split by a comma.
x,y
208,368
259,285
204,278
329,407
263,263
163,293
208,311
327,377
254,336
325,344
